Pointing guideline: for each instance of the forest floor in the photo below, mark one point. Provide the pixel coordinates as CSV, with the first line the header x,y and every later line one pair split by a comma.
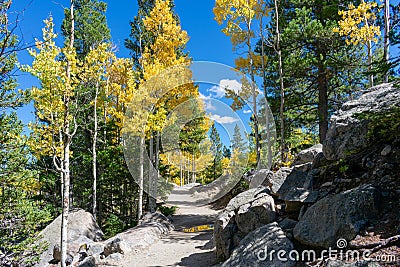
x,y
180,248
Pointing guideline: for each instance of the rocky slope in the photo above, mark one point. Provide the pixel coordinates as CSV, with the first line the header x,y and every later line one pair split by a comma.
x,y
343,195
86,247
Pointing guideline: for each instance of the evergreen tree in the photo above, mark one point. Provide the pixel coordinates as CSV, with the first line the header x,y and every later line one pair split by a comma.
x,y
216,149
90,35
90,25
22,212
321,71
238,143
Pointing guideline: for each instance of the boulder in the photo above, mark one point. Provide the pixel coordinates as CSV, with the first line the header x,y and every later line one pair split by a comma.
x,y
150,229
308,155
297,190
340,216
287,224
116,246
225,229
82,229
256,249
270,179
253,215
347,134
246,197
243,214
258,177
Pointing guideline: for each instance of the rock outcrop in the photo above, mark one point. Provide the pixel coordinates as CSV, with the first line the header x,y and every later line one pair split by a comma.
x,y
258,247
150,228
341,216
243,214
82,228
347,133
273,180
348,188
308,155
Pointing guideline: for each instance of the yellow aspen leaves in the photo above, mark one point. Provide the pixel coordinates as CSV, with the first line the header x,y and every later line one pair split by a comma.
x,y
56,86
357,23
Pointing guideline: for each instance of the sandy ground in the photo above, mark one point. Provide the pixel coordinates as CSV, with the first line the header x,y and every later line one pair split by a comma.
x,y
180,248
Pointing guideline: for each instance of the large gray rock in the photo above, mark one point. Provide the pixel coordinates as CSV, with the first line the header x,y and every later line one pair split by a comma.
x,y
272,180
308,155
296,179
150,229
116,246
297,189
243,214
347,134
225,229
258,177
253,215
82,229
246,197
341,216
255,249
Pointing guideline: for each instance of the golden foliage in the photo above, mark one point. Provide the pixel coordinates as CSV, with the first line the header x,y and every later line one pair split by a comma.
x,y
357,23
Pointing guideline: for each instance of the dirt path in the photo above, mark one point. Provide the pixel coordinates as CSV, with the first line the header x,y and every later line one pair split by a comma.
x,y
180,248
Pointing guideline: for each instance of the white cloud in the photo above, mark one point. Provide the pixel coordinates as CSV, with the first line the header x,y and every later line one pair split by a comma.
x,y
207,102
223,119
218,91
248,111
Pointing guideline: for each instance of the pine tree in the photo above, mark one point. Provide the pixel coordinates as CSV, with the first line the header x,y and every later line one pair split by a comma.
x,y
90,28
216,149
21,216
90,33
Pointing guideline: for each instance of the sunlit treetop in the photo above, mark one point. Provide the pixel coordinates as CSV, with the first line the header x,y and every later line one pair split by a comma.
x,y
357,23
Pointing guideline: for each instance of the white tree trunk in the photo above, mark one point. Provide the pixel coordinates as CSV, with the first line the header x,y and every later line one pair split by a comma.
x,y
282,89
94,151
66,143
386,51
141,173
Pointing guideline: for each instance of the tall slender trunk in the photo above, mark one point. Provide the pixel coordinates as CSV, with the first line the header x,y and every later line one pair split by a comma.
x,y
369,48
322,100
254,95
371,76
282,88
181,167
157,164
152,200
193,169
65,206
322,83
386,53
94,152
188,169
66,152
141,173
267,122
